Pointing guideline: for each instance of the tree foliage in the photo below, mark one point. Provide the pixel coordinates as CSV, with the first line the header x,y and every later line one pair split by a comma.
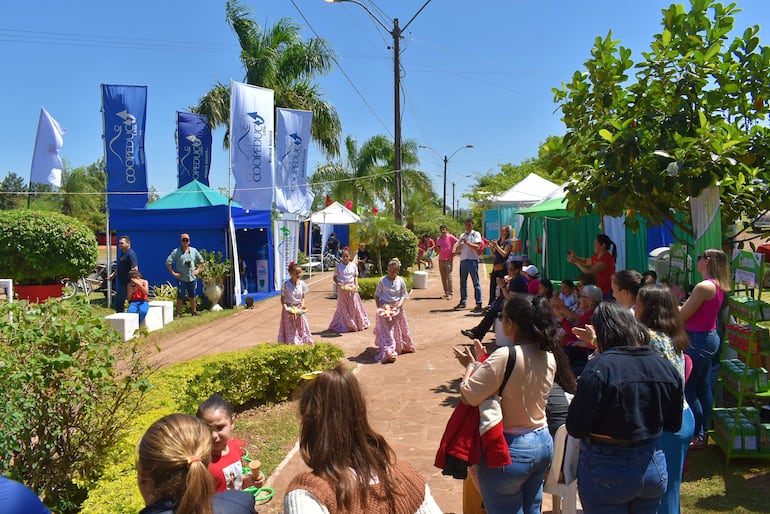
x,y
83,194
70,387
277,58
41,247
691,116
366,177
11,185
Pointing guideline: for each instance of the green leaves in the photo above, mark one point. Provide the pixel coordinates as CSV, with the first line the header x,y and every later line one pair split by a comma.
x,y
39,247
65,398
693,115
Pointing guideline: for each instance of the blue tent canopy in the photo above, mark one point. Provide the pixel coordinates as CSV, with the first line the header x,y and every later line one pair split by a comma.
x,y
155,233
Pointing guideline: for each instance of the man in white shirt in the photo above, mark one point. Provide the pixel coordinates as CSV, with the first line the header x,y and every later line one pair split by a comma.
x,y
468,248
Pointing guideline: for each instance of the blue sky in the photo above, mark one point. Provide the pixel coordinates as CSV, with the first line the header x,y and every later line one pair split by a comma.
x,y
477,73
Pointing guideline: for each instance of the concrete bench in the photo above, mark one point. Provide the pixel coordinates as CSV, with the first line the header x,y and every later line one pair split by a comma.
x,y
168,309
154,319
124,323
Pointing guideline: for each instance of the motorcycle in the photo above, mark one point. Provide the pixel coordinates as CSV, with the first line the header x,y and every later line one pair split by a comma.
x,y
95,281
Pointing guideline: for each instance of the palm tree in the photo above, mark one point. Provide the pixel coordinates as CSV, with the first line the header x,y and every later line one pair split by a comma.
x,y
367,177
277,58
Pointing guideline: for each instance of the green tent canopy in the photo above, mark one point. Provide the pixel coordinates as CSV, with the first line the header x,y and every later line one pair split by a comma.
x,y
192,194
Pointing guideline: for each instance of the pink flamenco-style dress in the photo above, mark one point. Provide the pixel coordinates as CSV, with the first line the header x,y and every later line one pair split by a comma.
x,y
391,334
294,328
350,315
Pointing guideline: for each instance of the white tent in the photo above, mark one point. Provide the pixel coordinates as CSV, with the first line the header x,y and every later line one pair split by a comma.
x,y
335,214
530,191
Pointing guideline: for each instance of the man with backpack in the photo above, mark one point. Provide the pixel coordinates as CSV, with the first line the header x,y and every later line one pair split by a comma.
x,y
468,247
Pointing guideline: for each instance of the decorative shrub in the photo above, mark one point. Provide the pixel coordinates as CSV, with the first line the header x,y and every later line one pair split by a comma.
x,y
266,373
366,286
42,247
402,243
215,268
71,386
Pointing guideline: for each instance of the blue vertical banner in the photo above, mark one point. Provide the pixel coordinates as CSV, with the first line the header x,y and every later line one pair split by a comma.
x,y
291,145
125,110
252,126
193,148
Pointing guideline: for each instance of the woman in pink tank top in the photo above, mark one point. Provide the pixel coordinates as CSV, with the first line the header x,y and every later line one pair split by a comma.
x,y
700,313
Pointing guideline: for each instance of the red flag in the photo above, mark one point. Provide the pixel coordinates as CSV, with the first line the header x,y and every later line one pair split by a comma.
x,y
328,200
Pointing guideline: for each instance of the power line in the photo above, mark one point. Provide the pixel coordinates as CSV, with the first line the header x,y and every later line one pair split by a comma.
x,y
342,70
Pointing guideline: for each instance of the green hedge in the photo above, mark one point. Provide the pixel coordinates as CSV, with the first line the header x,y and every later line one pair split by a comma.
x,y
266,373
366,286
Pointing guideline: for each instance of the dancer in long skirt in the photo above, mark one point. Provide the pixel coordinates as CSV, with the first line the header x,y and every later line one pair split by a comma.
x,y
391,331
350,315
294,327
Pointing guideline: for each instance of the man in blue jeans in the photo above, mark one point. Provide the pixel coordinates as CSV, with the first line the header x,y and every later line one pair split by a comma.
x,y
468,248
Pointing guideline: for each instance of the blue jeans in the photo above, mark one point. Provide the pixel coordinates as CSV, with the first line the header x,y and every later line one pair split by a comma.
x,y
470,266
141,307
614,479
698,389
675,445
518,487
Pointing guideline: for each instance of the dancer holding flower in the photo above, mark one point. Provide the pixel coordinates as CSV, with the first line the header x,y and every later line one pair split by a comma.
x,y
350,315
391,332
294,328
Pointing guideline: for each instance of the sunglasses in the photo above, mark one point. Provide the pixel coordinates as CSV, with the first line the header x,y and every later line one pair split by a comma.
x,y
185,240
703,257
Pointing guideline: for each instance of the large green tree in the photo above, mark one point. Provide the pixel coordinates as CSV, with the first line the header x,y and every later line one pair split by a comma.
x,y
83,194
366,177
10,188
692,115
277,58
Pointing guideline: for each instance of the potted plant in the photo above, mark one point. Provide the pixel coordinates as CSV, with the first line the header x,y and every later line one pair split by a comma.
x,y
38,249
213,273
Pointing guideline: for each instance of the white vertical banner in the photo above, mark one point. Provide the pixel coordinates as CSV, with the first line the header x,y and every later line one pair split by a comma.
x,y
46,163
706,219
285,248
252,125
291,144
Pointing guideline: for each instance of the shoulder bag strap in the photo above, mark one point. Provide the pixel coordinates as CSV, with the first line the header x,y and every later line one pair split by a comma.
x,y
509,364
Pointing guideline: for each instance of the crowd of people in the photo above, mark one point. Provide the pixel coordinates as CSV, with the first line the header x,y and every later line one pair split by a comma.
x,y
613,355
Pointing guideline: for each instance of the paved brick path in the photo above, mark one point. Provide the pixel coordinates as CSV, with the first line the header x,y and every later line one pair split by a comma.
x,y
409,401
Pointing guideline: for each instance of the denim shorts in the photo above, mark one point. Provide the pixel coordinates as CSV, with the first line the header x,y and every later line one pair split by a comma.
x,y
186,289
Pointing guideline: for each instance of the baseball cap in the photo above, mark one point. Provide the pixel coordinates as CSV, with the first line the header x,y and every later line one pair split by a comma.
x,y
530,270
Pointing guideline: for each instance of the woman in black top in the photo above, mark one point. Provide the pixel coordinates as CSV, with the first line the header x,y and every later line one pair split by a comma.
x,y
625,398
500,250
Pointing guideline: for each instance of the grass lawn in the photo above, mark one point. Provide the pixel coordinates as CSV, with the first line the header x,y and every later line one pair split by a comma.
x,y
710,487
270,431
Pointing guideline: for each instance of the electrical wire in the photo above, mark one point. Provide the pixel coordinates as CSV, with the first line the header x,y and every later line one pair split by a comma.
x,y
344,73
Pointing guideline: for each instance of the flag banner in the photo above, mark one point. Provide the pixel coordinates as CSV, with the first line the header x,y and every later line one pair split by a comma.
x,y
46,163
193,148
252,125
286,237
706,222
125,111
291,145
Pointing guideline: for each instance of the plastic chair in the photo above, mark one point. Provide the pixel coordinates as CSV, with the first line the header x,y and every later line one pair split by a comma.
x,y
564,494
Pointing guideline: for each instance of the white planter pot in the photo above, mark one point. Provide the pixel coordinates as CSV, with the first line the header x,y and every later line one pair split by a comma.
x,y
213,292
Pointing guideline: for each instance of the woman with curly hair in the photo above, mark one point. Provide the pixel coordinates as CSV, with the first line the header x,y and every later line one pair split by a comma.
x,y
294,328
353,468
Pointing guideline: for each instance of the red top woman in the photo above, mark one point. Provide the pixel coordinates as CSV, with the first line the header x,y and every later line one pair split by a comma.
x,y
601,264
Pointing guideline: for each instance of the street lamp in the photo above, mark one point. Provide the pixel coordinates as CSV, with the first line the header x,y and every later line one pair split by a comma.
x,y
453,194
446,160
396,34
